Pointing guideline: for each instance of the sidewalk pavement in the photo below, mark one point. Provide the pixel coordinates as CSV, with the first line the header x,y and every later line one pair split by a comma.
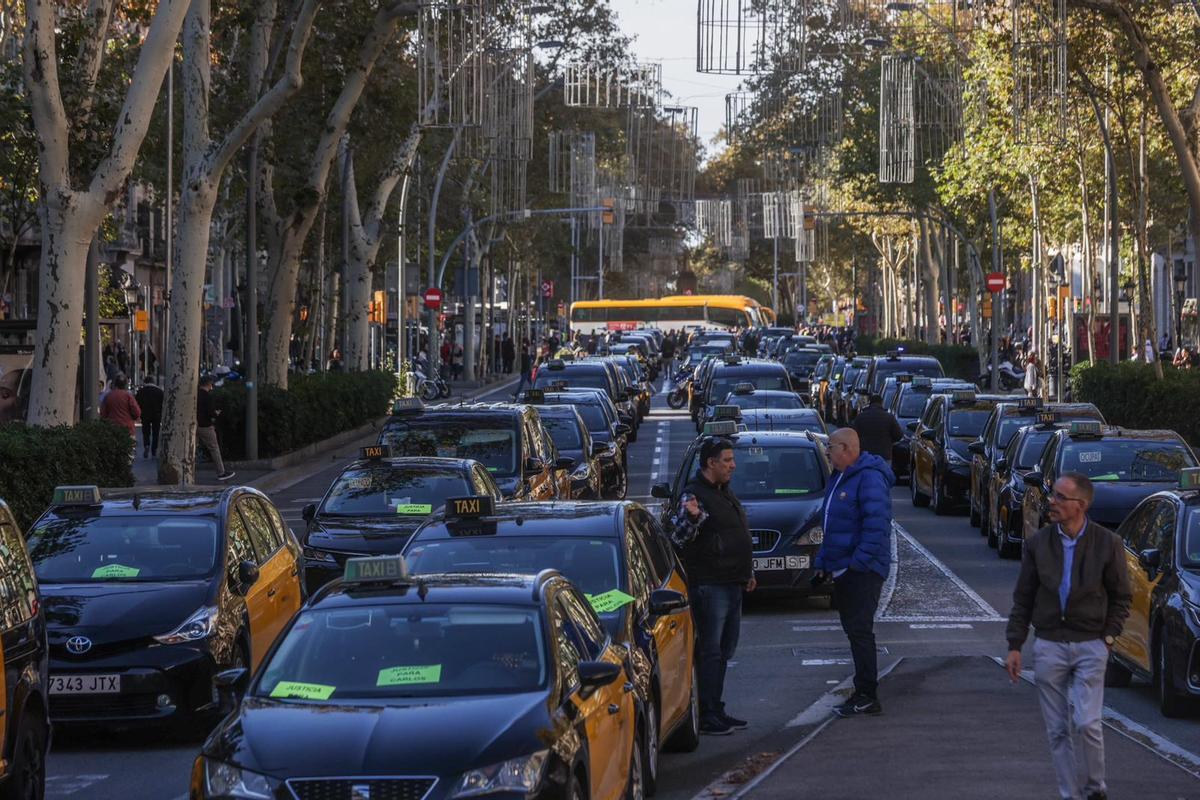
x,y
954,727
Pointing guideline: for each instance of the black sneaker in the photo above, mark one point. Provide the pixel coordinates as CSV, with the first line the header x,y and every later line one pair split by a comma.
x,y
1097,796
734,722
715,727
226,475
858,705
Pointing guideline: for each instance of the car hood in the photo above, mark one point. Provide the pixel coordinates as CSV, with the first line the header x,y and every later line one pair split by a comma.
x,y
430,736
788,515
110,612
1113,501
373,537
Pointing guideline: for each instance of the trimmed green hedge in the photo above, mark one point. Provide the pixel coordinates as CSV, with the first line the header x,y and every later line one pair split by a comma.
x,y
35,460
312,408
958,360
1129,394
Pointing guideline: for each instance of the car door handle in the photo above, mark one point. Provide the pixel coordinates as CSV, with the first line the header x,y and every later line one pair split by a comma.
x,y
613,708
674,624
628,687
271,592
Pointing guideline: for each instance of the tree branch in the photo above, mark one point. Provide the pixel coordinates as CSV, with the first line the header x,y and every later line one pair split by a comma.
x,y
45,93
399,165
91,53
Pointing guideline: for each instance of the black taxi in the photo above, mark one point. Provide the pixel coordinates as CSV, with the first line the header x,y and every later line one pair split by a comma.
x,y
149,592
607,432
592,373
780,478
1124,465
377,502
1160,636
566,427
941,463
844,391
908,407
1007,490
506,438
432,687
24,669
896,362
619,557
750,374
1006,419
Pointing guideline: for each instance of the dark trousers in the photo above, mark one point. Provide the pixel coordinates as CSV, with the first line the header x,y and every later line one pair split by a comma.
x,y
150,436
857,597
718,612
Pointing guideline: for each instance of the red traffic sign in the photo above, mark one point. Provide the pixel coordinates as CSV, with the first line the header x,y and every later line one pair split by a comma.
x,y
547,288
995,282
433,298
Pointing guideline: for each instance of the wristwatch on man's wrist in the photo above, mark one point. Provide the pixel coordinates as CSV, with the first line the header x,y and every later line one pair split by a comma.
x,y
1110,641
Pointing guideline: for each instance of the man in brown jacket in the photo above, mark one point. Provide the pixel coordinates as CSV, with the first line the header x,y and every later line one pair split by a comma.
x,y
1074,589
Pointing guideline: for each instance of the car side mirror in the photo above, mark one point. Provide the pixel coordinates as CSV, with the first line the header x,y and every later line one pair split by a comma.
x,y
230,684
533,466
912,426
1151,561
309,513
599,449
929,435
622,429
247,576
667,601
1033,478
564,463
977,448
661,490
631,392
595,675
1002,465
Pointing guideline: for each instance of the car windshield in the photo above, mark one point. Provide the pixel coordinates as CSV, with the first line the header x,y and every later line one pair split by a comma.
x,y
1032,449
778,472
407,650
889,394
594,565
786,423
968,422
884,369
1191,537
594,417
759,400
564,431
494,447
721,387
912,404
384,489
801,358
589,379
1122,460
136,547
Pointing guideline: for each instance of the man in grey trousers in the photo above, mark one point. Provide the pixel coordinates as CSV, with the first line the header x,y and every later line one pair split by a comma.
x,y
1074,589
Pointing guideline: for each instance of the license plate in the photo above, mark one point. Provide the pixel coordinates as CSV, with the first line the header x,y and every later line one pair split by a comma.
x,y
773,562
85,684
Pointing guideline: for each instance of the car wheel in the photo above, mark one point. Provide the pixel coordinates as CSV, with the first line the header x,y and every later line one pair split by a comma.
x,y
993,534
919,499
1005,547
985,516
635,787
575,790
1171,702
1116,675
27,779
686,737
651,747
976,519
941,506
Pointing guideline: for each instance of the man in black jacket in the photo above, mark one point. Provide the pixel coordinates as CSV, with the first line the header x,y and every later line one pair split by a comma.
x,y
714,539
150,399
1077,618
877,429
206,431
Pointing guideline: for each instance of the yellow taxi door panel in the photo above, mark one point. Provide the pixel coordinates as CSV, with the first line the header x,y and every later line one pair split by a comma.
x,y
273,565
1136,633
678,652
239,549
615,733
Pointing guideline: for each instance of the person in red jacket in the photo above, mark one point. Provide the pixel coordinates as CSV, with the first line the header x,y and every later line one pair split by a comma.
x,y
120,408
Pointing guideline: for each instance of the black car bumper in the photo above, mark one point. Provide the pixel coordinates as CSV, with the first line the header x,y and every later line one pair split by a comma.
x,y
158,683
901,456
956,484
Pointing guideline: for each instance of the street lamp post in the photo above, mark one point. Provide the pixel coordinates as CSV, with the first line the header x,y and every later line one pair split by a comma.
x,y
132,291
1180,280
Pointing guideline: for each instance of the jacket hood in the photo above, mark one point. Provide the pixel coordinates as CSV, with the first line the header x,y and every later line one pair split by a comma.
x,y
871,461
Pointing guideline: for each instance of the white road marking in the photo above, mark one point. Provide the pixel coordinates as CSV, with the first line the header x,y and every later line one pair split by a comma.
x,y
824,662
988,611
949,626
889,586
70,784
815,628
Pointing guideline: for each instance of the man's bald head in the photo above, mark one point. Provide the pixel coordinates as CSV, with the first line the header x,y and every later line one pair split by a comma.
x,y
844,448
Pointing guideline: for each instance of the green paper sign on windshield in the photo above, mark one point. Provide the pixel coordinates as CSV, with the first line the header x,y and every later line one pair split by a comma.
x,y
414,508
791,491
303,691
406,676
116,571
609,601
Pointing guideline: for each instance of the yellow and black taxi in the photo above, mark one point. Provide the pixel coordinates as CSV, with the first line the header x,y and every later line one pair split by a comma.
x,y
572,440
618,556
908,407
941,463
750,374
608,434
1007,490
377,502
780,479
433,687
846,388
150,592
591,373
1160,637
506,438
1006,419
826,380
24,669
1124,465
894,363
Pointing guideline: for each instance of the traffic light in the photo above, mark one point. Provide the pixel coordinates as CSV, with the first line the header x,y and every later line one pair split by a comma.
x,y
1052,307
608,217
304,313
987,306
379,308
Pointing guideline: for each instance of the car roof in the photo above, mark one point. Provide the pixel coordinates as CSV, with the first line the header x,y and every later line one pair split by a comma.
x,y
193,500
414,463
466,410
560,518
1110,432
795,413
481,589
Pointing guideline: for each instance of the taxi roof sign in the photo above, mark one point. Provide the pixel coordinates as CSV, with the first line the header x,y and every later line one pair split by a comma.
x,y
378,569
375,451
76,496
726,427
732,358
533,396
558,385
726,412
904,377
1048,417
922,382
1085,427
556,363
1189,478
962,396
744,388
1026,403
470,507
407,405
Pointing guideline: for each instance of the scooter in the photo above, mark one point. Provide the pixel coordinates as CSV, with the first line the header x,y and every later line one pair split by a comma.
x,y
1010,378
678,396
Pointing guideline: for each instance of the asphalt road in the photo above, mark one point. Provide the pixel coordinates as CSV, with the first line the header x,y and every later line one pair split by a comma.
x,y
949,596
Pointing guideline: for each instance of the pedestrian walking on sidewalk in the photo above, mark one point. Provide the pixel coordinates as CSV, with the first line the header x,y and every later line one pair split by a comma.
x,y
120,408
1032,375
1074,589
510,354
150,398
877,429
710,531
206,432
856,554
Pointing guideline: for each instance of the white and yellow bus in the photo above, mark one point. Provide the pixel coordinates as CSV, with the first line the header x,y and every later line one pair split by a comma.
x,y
666,313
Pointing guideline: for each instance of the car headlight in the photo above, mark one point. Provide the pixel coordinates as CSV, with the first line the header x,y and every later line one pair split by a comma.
x,y
580,473
198,626
226,780
516,775
814,535
955,460
1193,612
320,557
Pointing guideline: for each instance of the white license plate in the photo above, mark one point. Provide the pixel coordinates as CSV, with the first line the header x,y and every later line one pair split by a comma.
x,y
773,562
85,684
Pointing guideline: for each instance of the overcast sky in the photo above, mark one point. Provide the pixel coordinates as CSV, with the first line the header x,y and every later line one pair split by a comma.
x,y
665,30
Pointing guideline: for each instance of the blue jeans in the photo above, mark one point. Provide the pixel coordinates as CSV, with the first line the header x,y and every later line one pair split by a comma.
x,y
857,597
717,608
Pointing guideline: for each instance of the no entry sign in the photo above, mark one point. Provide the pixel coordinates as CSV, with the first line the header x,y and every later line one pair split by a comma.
x,y
995,282
433,298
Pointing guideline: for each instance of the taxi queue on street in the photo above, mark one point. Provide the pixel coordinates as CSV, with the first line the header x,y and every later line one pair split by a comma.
x,y
474,609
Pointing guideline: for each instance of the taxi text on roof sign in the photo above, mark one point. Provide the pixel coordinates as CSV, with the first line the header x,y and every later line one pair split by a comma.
x,y
533,396
382,568
1189,478
1085,427
723,428
922,382
1029,402
726,412
76,496
470,507
744,388
963,396
375,451
1047,417
408,405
